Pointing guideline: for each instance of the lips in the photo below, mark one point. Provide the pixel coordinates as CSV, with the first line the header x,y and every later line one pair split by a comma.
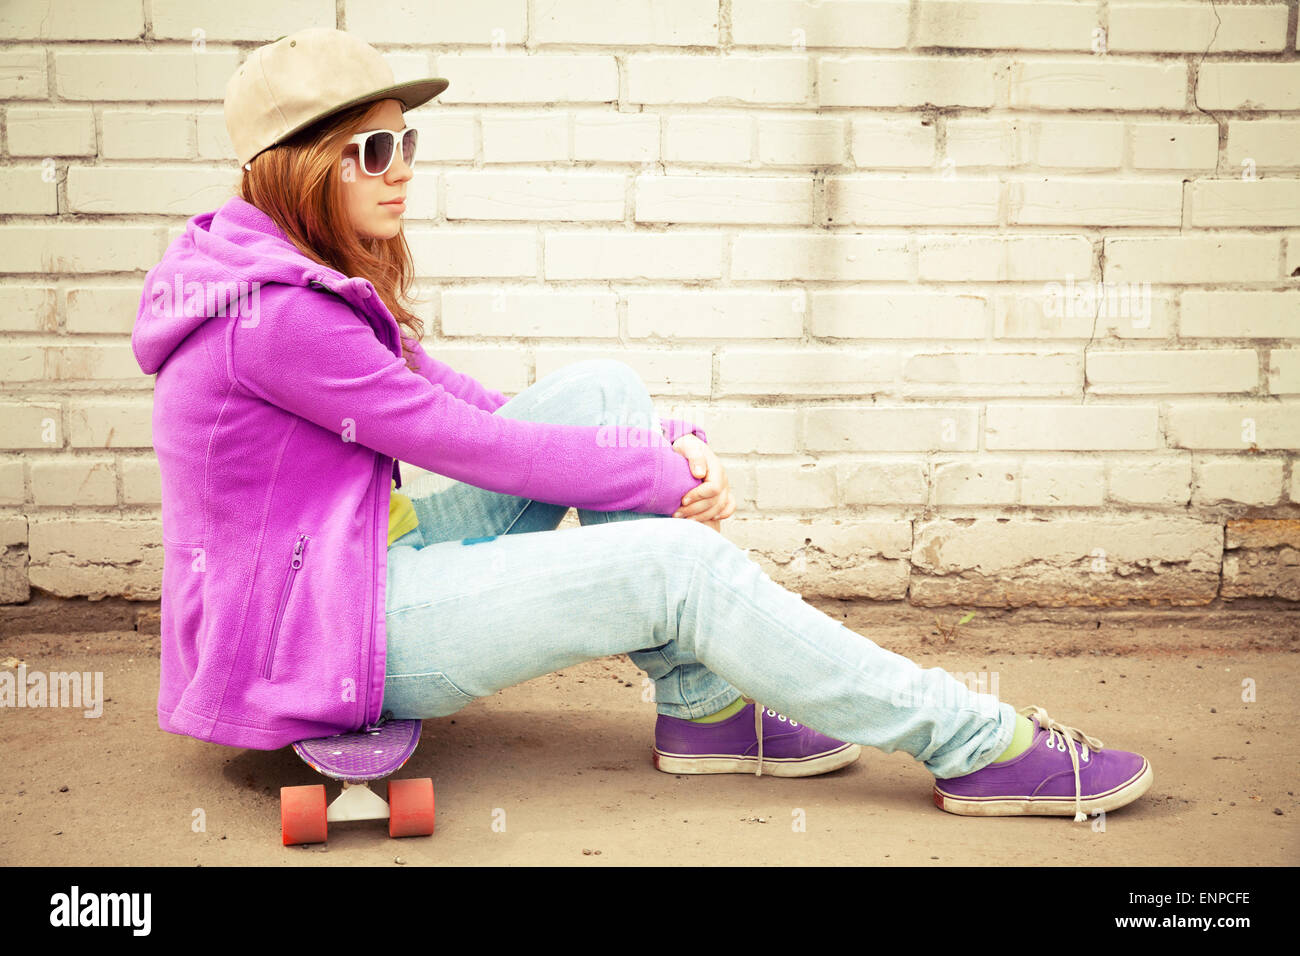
x,y
394,202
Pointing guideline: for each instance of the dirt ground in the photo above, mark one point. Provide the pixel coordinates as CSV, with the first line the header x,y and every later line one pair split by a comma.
x,y
558,770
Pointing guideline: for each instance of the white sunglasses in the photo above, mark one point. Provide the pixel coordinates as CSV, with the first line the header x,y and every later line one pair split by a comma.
x,y
378,147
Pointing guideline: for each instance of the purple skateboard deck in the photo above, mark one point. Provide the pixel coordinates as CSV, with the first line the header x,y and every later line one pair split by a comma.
x,y
362,755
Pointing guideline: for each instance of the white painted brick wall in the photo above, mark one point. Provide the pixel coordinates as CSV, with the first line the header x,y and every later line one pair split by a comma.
x,y
861,241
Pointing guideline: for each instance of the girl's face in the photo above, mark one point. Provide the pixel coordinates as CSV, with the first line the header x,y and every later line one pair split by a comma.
x,y
370,199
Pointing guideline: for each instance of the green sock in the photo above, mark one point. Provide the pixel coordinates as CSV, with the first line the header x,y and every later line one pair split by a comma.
x,y
735,707
1020,741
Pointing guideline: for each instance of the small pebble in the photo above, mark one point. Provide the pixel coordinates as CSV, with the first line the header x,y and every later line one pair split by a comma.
x,y
586,853
63,789
1278,811
1213,711
399,861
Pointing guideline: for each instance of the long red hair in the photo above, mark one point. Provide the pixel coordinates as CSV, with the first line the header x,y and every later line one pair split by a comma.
x,y
299,184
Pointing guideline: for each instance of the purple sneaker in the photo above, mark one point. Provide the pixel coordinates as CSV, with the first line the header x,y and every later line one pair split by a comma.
x,y
754,738
1064,771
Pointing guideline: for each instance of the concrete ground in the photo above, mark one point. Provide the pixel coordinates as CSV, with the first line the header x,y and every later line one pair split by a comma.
x,y
563,762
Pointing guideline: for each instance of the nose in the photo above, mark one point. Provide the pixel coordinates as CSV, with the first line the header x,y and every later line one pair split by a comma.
x,y
399,171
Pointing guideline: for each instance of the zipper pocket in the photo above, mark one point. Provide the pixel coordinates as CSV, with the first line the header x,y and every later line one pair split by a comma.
x,y
294,564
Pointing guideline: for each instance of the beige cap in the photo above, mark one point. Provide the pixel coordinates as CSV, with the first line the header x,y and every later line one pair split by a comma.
x,y
287,85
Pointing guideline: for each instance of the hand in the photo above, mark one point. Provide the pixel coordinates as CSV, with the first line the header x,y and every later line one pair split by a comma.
x,y
712,500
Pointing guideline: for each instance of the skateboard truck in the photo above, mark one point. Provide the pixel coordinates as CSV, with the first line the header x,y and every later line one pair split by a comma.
x,y
356,759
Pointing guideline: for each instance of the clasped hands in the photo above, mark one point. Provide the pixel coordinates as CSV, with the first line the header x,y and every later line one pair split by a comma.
x,y
711,500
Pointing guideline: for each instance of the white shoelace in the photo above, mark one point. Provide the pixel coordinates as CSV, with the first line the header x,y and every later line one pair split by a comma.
x,y
1059,736
758,730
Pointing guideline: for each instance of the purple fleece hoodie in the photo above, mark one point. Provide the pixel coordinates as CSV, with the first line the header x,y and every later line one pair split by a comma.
x,y
282,405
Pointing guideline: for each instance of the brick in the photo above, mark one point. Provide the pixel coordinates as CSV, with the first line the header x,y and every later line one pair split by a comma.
x,y
1062,484
1226,202
1089,311
1239,315
849,428
883,483
518,79
212,141
35,363
718,80
616,137
149,134
505,370
24,190
1248,86
1084,561
835,558
803,257
70,20
398,21
148,189
14,585
238,19
1202,371
1236,426
876,23
1261,558
1196,28
78,248
525,139
1291,264
1193,146
1061,427
13,488
1073,144
1088,202
514,313
801,142
705,314
600,255
74,481
107,423
142,482
746,430
983,481
1003,258
709,138
953,374
1284,371
1162,482
1091,84
1191,259
802,487
662,23
885,143
38,131
27,309
893,81
839,371
96,557
1266,143
724,199
981,142
103,309
1021,25
677,371
443,137
893,201
472,253
30,425
531,196
1234,480
22,74
906,315
140,75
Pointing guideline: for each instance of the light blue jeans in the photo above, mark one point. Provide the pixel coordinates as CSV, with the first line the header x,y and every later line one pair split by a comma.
x,y
488,592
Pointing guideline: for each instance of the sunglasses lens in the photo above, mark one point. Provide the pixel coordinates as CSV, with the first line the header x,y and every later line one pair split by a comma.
x,y
408,146
378,152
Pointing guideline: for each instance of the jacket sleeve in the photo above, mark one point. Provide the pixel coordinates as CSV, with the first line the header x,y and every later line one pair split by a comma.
x,y
465,387
675,428
313,356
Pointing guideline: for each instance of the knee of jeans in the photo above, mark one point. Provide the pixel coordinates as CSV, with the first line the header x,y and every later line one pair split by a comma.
x,y
622,387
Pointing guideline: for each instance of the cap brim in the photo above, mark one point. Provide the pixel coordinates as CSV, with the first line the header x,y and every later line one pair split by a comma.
x,y
410,95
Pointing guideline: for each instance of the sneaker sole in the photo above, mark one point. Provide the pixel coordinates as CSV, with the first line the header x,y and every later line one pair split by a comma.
x,y
789,767
1125,793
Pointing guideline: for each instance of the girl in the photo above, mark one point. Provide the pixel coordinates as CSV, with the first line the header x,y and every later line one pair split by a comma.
x,y
303,595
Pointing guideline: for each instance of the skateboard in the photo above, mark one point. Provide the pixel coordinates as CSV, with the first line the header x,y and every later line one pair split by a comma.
x,y
356,759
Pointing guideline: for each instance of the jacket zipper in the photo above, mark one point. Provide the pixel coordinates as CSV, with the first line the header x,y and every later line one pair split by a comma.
x,y
294,565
